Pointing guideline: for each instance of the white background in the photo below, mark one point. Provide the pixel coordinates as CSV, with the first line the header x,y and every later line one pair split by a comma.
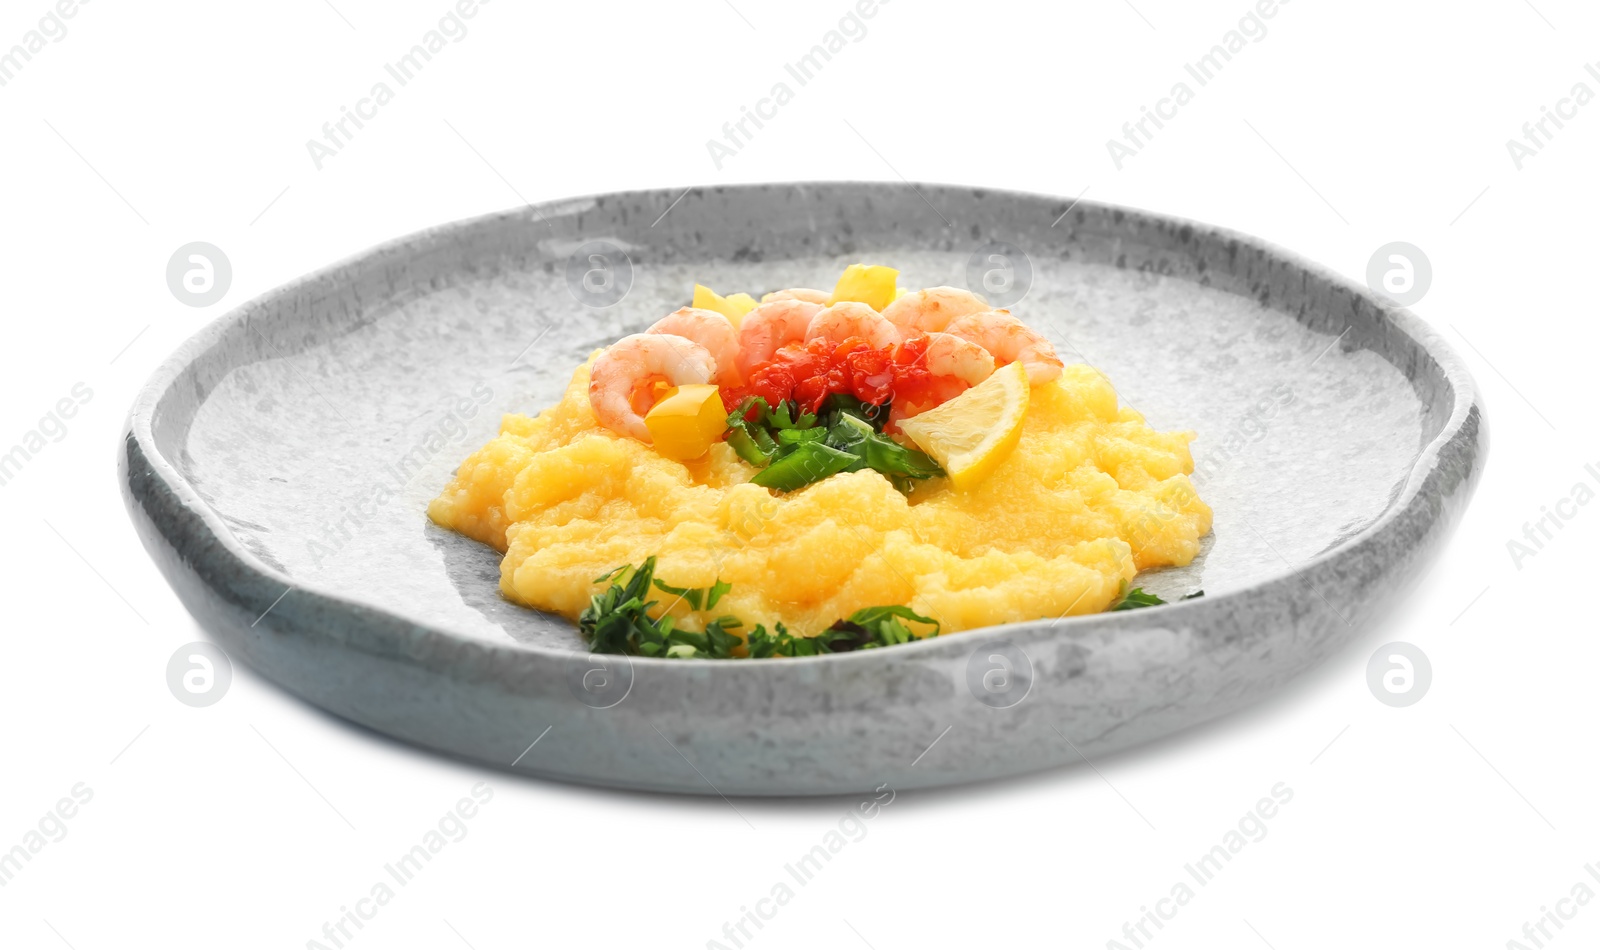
x,y
250,823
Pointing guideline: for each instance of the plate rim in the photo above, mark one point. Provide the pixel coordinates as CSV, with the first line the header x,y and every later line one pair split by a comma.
x,y
138,431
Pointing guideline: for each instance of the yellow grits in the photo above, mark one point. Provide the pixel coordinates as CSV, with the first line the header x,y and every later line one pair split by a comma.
x,y
1090,496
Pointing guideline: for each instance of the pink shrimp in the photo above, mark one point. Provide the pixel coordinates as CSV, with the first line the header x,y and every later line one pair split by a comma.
x,y
932,310
850,319
622,375
820,297
1009,340
955,364
712,331
951,356
770,326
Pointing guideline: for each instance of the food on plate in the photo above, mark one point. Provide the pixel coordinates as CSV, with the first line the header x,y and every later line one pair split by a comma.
x,y
733,306
827,471
873,285
970,437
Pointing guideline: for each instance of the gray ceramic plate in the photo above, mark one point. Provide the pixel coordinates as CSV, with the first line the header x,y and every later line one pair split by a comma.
x,y
279,464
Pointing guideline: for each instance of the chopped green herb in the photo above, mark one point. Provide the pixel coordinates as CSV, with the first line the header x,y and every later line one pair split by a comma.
x,y
794,449
1136,598
690,594
617,621
751,440
780,417
745,445
879,626
879,452
807,462
610,574
875,416
849,424
795,436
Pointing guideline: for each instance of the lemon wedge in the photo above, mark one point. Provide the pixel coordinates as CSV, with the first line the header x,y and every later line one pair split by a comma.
x,y
970,435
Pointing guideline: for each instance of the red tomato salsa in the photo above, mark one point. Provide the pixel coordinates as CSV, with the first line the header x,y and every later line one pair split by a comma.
x,y
809,372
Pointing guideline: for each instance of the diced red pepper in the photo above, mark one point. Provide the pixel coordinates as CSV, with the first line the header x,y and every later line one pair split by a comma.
x,y
809,372
773,382
871,375
913,383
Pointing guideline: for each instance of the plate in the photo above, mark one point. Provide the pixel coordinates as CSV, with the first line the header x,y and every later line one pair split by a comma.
x,y
279,464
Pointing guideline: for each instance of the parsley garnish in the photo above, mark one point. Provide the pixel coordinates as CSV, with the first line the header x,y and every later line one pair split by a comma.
x,y
617,620
1136,598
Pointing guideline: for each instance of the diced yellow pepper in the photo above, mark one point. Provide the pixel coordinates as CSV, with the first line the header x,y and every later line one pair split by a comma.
x,y
871,284
733,306
687,420
739,304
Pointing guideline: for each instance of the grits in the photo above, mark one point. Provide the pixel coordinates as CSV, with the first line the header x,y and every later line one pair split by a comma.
x,y
1090,496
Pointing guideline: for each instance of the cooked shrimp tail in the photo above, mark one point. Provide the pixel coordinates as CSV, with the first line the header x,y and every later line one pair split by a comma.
x,y
932,310
711,330
807,294
849,319
950,355
625,373
770,326
1009,340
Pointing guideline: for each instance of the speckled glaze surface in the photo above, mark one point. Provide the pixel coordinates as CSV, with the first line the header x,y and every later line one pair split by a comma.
x,y
293,445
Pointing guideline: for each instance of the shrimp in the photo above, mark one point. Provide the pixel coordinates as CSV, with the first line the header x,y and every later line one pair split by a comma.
x,y
623,377
711,330
770,326
1009,340
954,365
932,310
800,293
849,319
950,355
